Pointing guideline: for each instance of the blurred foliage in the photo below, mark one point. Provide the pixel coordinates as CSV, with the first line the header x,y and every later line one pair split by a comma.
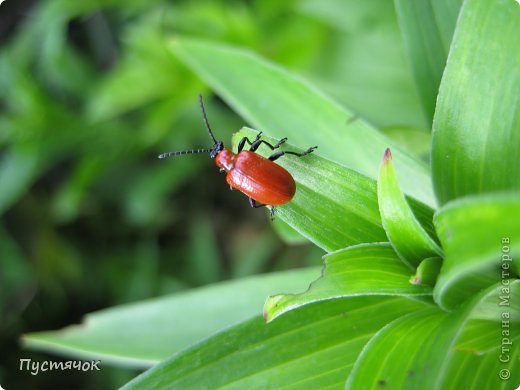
x,y
89,95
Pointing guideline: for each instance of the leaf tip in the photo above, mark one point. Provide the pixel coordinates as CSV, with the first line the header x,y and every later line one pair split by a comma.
x,y
416,280
388,156
266,315
270,305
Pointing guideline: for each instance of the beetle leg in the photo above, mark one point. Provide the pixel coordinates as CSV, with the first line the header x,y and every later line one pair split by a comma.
x,y
258,142
271,213
277,155
243,141
255,205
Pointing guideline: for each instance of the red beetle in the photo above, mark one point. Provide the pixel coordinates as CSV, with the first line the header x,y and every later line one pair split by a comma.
x,y
263,181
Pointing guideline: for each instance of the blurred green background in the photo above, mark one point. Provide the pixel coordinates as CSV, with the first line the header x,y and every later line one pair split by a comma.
x,y
89,95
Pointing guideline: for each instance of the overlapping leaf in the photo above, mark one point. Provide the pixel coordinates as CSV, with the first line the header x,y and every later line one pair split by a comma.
x,y
427,27
369,269
364,64
144,333
430,360
313,347
334,206
481,241
264,94
476,138
427,271
408,238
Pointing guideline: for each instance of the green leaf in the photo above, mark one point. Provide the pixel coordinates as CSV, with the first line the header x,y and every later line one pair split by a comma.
x,y
409,239
369,269
417,351
476,138
19,167
309,348
410,334
112,96
68,199
345,214
279,104
141,334
489,343
17,279
334,207
362,61
481,241
427,28
470,371
481,336
427,272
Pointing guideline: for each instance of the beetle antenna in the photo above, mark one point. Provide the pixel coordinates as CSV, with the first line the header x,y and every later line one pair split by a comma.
x,y
180,152
206,120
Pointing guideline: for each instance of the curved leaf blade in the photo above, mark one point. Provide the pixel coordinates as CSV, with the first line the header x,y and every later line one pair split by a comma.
x,y
345,214
481,372
480,334
19,169
276,102
476,129
481,337
309,348
409,239
364,64
428,337
143,333
334,207
427,272
475,233
369,269
427,28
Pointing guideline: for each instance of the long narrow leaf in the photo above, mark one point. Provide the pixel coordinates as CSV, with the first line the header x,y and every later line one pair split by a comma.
x,y
427,28
334,206
309,348
363,61
406,235
141,334
370,269
480,335
427,271
276,102
417,351
19,167
481,241
482,372
476,138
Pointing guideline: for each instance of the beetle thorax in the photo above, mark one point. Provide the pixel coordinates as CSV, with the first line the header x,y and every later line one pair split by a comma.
x,y
225,159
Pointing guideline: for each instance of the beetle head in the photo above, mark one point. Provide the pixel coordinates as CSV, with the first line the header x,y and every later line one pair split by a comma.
x,y
217,147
